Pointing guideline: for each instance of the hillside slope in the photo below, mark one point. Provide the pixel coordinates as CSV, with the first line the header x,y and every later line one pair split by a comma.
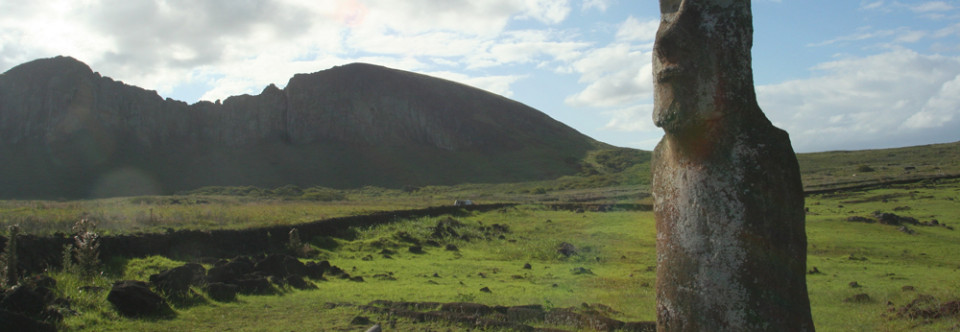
x,y
66,131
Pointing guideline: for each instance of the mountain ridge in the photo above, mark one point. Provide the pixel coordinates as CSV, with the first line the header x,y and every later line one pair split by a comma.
x,y
67,131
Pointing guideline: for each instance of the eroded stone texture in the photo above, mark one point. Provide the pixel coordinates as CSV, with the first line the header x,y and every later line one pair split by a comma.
x,y
731,247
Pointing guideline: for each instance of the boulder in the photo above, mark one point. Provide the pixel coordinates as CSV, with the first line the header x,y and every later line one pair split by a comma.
x,y
280,266
313,270
566,249
177,281
23,300
253,285
14,321
297,281
222,292
134,298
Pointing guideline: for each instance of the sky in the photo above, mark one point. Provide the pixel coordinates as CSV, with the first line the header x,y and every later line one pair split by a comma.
x,y
836,75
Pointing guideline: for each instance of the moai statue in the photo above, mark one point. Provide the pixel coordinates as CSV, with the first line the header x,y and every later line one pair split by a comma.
x,y
731,247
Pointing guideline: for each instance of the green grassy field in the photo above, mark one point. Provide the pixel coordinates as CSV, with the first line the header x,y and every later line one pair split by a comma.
x,y
617,248
613,267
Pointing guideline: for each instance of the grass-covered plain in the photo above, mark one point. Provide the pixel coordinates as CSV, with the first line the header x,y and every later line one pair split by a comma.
x,y
617,248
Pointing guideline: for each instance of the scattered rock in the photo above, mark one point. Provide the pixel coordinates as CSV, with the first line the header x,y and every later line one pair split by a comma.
x,y
908,288
893,219
222,292
13,321
853,257
416,249
907,230
581,270
297,281
281,266
23,300
859,298
313,270
254,285
854,284
486,290
357,279
527,266
928,307
406,237
860,219
135,299
360,320
566,249
177,281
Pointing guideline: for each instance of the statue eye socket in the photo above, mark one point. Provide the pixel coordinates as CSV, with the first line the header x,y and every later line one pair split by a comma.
x,y
669,6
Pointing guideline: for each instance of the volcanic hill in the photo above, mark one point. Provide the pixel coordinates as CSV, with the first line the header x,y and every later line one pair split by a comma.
x,y
66,131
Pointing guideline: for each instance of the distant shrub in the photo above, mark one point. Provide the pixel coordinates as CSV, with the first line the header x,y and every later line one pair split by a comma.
x,y
10,274
539,190
618,160
322,195
293,243
865,168
86,248
287,191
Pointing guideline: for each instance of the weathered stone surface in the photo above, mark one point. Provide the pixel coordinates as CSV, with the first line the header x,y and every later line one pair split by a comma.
x,y
23,300
14,321
177,281
135,299
731,247
221,292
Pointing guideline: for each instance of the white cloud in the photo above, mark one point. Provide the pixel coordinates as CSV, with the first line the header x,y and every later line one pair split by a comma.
x,y
940,110
526,46
600,5
881,100
932,6
634,30
617,75
871,5
634,118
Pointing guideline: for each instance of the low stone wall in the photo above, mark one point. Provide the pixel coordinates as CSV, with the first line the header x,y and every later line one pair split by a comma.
x,y
39,252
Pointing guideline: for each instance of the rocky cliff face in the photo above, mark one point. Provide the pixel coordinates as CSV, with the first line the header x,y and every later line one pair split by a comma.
x,y
66,131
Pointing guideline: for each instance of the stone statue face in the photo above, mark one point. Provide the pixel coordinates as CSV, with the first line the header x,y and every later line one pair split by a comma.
x,y
696,60
684,71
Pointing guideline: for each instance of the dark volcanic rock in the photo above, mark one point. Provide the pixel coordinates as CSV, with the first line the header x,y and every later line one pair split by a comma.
x,y
254,285
135,299
179,279
281,266
23,300
13,321
231,270
76,133
313,270
221,292
567,249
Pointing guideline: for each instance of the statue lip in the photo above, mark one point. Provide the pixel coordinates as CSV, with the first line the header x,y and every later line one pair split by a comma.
x,y
668,72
